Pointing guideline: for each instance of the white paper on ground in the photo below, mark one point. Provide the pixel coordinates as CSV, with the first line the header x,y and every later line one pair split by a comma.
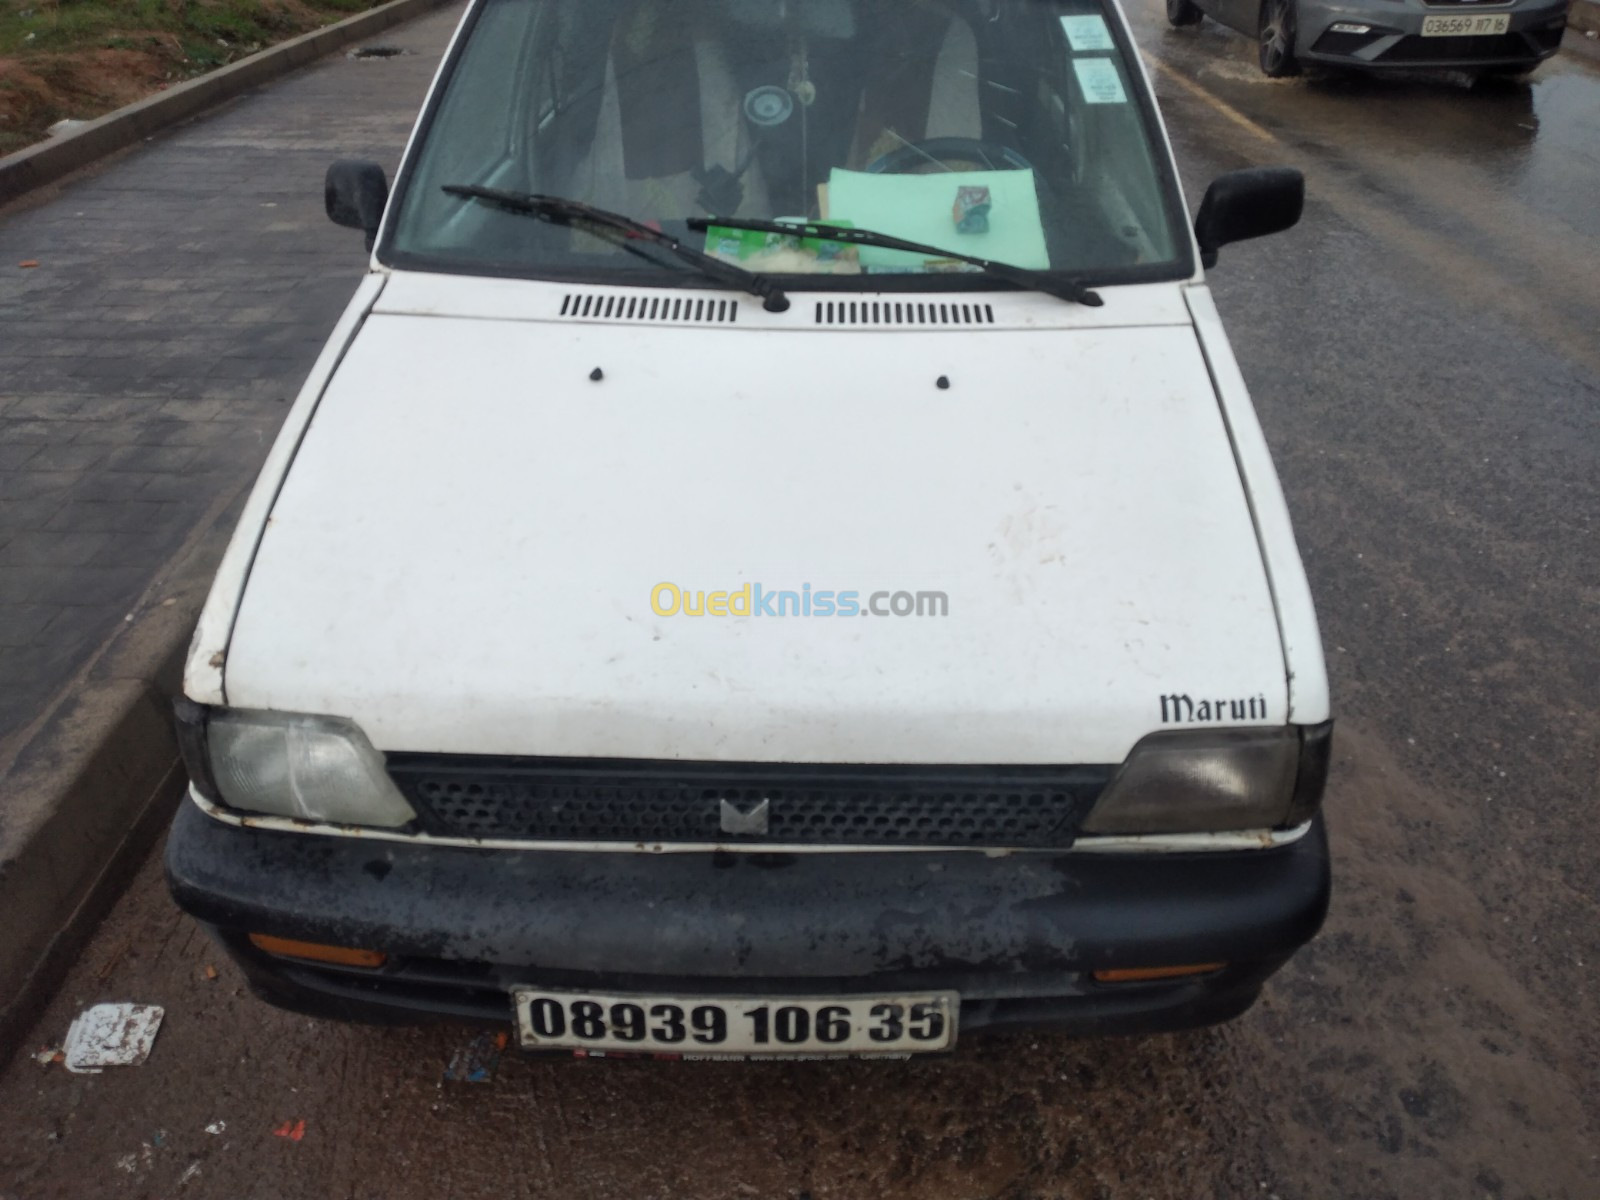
x,y
111,1035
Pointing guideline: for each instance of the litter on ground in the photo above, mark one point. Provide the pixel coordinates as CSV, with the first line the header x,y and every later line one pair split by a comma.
x,y
476,1061
111,1035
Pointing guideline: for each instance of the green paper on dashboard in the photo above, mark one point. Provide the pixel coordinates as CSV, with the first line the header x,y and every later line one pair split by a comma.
x,y
782,253
918,208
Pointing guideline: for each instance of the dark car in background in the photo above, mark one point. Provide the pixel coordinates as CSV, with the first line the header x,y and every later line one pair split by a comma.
x,y
1476,35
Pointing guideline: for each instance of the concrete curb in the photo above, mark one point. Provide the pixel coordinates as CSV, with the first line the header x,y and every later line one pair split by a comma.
x,y
96,781
48,161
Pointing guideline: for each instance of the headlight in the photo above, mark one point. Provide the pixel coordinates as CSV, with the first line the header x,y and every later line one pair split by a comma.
x,y
288,765
1215,781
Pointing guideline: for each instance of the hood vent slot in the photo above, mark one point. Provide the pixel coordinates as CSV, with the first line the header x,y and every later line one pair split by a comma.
x,y
909,313
665,309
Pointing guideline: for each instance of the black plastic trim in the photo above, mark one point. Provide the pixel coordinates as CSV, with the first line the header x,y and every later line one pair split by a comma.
x,y
1311,774
192,722
394,998
700,921
629,801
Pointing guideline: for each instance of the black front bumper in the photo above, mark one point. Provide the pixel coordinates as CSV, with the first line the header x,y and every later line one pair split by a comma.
x,y
1017,936
1395,42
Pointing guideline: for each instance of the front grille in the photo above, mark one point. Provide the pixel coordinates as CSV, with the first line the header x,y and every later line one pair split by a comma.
x,y
1458,49
632,802
901,312
665,309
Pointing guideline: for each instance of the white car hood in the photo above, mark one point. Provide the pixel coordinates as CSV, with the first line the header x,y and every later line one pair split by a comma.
x,y
462,555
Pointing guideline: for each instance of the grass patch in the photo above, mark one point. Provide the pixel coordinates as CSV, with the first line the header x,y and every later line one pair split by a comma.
x,y
44,26
82,58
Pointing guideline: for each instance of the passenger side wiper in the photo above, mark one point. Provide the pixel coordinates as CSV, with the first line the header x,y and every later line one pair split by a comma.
x,y
561,211
1039,281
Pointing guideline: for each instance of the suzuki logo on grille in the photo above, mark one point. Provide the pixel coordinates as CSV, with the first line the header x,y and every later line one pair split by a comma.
x,y
754,821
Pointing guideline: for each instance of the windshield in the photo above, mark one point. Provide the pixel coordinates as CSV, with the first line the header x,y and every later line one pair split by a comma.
x,y
1010,130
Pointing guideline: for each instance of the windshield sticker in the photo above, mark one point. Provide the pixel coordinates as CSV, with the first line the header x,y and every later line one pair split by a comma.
x,y
1099,80
1179,708
1087,33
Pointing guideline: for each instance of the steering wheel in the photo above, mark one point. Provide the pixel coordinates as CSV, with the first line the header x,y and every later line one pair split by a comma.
x,y
992,155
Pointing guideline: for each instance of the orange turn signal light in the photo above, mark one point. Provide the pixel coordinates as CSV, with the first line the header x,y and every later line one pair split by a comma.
x,y
344,956
1139,974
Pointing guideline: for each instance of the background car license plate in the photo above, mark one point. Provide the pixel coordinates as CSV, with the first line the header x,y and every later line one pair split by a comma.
x,y
706,1025
1468,25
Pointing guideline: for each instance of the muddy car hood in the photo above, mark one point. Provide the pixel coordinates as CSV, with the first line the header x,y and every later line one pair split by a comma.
x,y
464,553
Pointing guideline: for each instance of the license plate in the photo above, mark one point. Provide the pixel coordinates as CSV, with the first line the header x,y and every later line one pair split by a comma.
x,y
746,1027
1469,25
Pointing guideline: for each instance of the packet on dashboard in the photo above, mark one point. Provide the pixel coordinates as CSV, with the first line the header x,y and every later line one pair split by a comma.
x,y
782,253
971,210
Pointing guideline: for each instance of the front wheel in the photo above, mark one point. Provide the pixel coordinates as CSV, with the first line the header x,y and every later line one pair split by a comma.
x,y
1182,12
1276,40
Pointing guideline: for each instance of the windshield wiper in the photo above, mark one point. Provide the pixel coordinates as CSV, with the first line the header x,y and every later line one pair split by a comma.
x,y
561,211
1039,281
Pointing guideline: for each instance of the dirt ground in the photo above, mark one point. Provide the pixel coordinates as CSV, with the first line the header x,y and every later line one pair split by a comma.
x,y
82,59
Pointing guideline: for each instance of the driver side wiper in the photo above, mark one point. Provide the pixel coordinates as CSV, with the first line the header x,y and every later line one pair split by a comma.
x,y
1039,281
561,211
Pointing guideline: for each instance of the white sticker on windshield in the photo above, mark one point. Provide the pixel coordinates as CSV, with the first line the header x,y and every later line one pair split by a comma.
x,y
1099,80
1087,32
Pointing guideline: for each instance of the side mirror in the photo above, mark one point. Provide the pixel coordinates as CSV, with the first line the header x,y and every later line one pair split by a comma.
x,y
1248,204
355,194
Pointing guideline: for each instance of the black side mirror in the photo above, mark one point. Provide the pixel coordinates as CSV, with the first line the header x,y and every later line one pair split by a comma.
x,y
1248,204
354,194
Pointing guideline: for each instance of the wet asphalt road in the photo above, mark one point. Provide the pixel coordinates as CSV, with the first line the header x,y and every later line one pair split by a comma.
x,y
1425,353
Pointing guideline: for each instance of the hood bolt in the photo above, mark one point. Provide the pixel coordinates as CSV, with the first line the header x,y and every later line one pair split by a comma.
x,y
942,383
597,374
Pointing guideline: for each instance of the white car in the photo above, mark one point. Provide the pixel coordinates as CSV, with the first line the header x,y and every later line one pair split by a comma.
x,y
777,557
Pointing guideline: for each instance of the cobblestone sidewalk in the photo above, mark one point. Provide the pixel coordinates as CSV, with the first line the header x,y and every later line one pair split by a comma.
x,y
180,295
